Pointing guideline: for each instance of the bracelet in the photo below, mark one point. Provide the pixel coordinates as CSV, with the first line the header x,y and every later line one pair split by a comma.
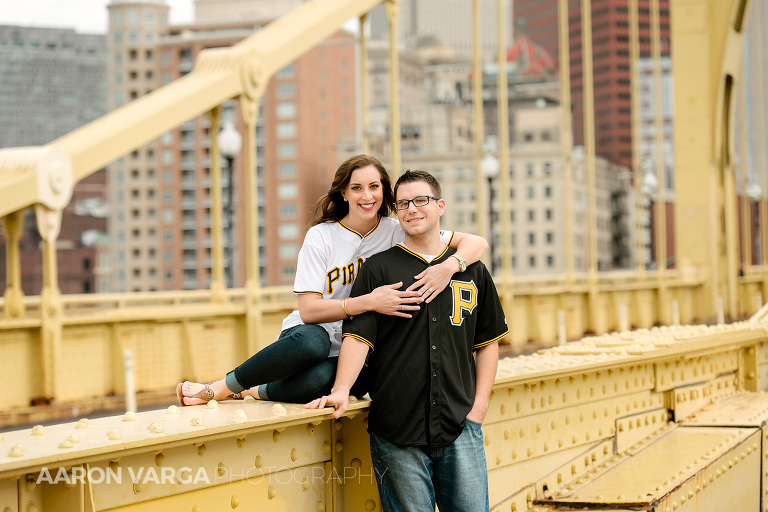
x,y
344,307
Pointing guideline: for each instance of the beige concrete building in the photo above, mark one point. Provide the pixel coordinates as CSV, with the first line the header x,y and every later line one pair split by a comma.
x,y
539,211
134,29
161,192
447,22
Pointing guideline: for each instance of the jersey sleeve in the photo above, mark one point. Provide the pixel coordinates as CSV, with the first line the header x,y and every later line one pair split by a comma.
x,y
311,265
363,327
492,323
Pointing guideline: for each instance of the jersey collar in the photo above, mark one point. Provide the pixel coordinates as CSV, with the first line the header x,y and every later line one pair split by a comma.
x,y
358,234
417,255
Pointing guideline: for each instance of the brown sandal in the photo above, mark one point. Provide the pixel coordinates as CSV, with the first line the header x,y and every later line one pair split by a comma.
x,y
204,394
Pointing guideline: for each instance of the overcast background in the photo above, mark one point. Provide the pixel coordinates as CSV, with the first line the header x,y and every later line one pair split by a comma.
x,y
85,16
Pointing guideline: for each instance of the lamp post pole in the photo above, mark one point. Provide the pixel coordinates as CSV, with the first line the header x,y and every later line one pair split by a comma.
x,y
230,142
754,192
648,188
490,167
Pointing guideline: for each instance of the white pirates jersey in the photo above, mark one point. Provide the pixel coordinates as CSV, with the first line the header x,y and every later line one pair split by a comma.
x,y
330,258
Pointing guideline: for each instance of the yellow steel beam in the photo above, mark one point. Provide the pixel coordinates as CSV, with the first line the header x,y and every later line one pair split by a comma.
x,y
706,38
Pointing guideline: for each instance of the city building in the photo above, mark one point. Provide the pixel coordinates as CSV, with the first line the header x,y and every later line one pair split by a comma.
x,y
162,190
537,19
52,82
445,22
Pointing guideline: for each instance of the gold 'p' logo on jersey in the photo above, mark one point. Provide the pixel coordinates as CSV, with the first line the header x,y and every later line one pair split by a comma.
x,y
464,298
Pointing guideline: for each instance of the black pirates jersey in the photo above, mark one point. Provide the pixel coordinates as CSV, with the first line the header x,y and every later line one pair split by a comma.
x,y
422,369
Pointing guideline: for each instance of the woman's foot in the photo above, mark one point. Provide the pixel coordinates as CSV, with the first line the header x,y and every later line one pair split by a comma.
x,y
193,393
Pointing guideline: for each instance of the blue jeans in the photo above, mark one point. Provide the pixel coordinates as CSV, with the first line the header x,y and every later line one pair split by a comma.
x,y
295,368
413,479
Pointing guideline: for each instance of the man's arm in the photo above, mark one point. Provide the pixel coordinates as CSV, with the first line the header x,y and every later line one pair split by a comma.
x,y
486,362
351,360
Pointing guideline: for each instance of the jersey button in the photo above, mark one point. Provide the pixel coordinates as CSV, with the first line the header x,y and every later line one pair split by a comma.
x,y
434,402
434,347
434,374
434,319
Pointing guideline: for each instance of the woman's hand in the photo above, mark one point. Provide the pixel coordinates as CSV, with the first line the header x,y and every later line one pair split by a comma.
x,y
434,279
390,300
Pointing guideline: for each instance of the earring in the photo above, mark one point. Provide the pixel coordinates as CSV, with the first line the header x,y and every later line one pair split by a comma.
x,y
345,199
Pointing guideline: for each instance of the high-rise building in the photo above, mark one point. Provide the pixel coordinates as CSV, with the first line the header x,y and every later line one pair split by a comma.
x,y
611,63
162,190
52,82
134,29
445,22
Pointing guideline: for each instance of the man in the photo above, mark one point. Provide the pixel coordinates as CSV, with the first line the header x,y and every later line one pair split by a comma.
x,y
429,394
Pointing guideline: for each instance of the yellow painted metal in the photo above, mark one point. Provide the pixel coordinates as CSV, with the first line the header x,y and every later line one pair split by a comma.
x,y
661,171
637,171
502,107
672,472
217,246
758,13
684,401
393,11
588,102
13,227
249,108
478,137
566,130
363,77
560,423
704,52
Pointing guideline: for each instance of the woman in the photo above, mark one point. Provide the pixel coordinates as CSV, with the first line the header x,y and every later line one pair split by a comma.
x,y
351,223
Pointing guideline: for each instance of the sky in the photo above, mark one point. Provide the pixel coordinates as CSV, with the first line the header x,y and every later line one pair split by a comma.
x,y
85,16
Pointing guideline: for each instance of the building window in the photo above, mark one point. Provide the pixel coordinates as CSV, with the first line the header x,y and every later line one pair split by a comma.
x,y
547,168
550,237
287,191
512,216
288,251
550,261
547,191
285,110
529,170
168,216
548,214
528,137
532,261
531,215
286,90
531,193
287,210
286,150
286,170
287,272
286,71
531,238
286,130
288,231
511,193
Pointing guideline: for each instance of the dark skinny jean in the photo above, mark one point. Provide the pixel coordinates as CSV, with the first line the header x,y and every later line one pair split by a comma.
x,y
295,368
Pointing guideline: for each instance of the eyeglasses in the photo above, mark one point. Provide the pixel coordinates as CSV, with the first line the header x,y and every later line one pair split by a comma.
x,y
403,204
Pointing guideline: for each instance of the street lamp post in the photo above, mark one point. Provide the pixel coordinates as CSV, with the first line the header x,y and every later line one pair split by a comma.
x,y
490,167
230,142
648,188
755,193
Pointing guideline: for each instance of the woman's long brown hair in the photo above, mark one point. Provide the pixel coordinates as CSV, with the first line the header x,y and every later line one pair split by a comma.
x,y
332,208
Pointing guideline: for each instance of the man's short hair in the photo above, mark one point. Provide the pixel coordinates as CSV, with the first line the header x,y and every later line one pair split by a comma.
x,y
410,176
